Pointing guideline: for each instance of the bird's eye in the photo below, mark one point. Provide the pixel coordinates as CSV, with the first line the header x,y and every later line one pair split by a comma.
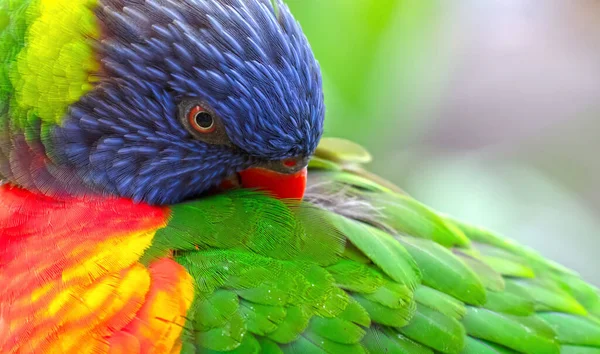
x,y
201,120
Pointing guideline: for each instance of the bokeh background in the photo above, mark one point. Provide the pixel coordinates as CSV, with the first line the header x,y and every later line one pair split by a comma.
x,y
487,110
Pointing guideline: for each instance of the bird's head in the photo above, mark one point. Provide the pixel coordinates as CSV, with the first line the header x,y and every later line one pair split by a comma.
x,y
186,96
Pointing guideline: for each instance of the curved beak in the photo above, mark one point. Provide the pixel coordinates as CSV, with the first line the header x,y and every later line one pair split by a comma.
x,y
279,185
284,179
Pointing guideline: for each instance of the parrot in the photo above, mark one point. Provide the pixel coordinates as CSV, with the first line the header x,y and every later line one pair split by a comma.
x,y
166,188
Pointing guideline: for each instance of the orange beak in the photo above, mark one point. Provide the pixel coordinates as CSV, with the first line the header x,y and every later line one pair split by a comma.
x,y
279,185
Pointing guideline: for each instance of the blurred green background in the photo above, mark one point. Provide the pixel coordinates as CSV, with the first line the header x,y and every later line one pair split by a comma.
x,y
483,109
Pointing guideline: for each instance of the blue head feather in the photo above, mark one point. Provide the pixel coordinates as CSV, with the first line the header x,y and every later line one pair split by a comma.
x,y
247,60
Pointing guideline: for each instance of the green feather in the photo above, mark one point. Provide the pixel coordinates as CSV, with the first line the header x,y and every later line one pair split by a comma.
x,y
537,324
392,295
478,346
436,330
355,314
379,313
330,346
354,276
295,322
386,340
342,151
346,179
491,279
261,224
437,300
320,241
302,346
586,294
505,262
249,345
225,338
508,267
262,319
549,297
13,19
337,330
510,247
382,249
572,349
444,271
188,347
575,330
409,217
354,254
510,303
507,330
267,293
267,346
475,346
317,163
216,310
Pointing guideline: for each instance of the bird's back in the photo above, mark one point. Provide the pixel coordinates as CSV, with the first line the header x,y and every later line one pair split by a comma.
x,y
359,269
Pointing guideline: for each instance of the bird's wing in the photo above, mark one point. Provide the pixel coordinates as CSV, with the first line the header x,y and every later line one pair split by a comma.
x,y
362,267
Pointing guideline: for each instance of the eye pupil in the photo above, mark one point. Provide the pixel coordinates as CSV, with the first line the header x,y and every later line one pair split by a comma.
x,y
204,120
201,120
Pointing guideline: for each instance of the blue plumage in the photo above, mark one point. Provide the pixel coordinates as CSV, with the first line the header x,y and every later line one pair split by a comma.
x,y
248,62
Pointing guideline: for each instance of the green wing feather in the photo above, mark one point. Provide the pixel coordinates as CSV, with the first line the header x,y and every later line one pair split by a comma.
x,y
361,267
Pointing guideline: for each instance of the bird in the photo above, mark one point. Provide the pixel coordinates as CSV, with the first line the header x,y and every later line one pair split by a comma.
x,y
166,188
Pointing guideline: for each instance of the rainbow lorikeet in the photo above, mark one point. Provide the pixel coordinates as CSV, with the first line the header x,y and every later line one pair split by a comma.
x,y
154,157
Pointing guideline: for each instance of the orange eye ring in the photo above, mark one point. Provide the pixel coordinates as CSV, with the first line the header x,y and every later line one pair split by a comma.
x,y
201,120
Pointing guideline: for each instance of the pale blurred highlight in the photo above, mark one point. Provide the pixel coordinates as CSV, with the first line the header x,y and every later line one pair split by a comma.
x,y
487,110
